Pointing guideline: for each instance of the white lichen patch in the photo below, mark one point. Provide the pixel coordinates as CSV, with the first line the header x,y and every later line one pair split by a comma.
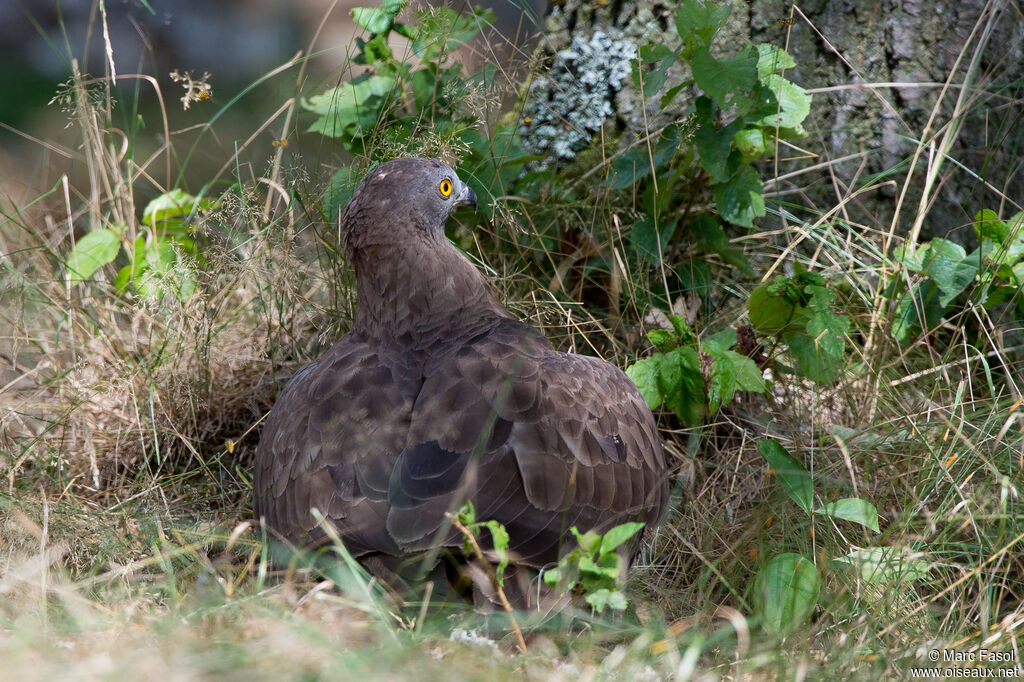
x,y
569,104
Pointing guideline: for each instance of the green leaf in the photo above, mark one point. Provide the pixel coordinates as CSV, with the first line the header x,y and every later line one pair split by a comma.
x,y
949,267
698,22
813,360
722,385
682,385
500,539
917,310
886,565
599,599
852,509
987,225
769,313
173,204
772,59
791,474
726,80
651,239
662,338
711,237
350,105
713,144
92,252
467,514
786,592
794,105
618,535
741,199
378,19
662,58
644,373
751,143
589,542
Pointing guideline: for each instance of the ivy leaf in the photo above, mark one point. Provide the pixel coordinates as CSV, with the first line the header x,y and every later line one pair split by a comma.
x,y
91,253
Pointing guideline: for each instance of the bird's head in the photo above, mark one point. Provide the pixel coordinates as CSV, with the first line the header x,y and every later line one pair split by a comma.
x,y
398,196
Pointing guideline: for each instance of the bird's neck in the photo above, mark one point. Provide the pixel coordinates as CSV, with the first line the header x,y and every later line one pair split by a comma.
x,y
418,294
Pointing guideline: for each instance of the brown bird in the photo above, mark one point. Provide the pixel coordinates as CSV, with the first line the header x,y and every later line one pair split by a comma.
x,y
439,395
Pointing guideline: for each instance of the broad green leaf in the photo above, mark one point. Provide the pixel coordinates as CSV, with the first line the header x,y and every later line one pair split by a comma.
x,y
698,22
886,565
748,376
726,80
916,311
772,59
662,338
599,599
791,474
722,385
644,373
794,104
813,360
713,144
378,19
721,340
950,268
588,542
751,143
173,204
852,509
741,199
662,58
682,385
92,252
987,225
769,313
651,239
786,592
356,104
711,237
619,534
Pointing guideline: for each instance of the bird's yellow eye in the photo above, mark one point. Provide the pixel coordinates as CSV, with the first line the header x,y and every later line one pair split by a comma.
x,y
446,188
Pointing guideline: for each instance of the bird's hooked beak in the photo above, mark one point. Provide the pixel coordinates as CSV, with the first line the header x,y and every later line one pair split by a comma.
x,y
467,198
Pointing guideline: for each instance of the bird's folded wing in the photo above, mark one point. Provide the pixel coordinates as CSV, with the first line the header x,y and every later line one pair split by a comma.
x,y
538,440
330,443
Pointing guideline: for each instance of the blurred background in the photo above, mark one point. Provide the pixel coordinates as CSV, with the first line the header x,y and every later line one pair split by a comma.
x,y
237,42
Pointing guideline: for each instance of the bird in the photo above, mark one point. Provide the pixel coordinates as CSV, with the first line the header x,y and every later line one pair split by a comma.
x,y
439,395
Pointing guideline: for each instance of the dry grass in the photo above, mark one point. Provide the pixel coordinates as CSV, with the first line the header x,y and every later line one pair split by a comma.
x,y
126,425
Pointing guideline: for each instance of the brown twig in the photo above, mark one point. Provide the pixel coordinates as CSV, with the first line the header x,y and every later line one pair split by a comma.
x,y
478,553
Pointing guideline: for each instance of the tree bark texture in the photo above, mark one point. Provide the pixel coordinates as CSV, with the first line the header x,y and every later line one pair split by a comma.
x,y
841,49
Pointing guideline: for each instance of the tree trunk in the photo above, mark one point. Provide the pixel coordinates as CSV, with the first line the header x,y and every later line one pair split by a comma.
x,y
851,52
